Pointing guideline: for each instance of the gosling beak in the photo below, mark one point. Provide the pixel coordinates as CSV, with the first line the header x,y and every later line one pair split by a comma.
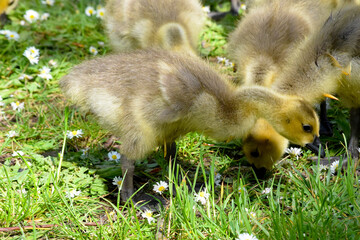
x,y
316,147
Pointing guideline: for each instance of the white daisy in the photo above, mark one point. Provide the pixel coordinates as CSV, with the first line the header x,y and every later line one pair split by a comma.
x,y
160,187
202,196
52,63
45,73
148,214
293,151
17,153
17,105
44,16
89,11
228,63
11,134
101,43
32,54
85,151
266,191
221,60
72,193
31,16
48,2
243,6
322,168
206,9
100,12
4,31
241,190
74,133
117,181
33,51
11,35
334,167
246,236
217,179
22,23
93,50
25,76
114,156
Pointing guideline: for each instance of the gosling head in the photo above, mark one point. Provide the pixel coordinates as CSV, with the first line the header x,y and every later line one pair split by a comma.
x,y
299,122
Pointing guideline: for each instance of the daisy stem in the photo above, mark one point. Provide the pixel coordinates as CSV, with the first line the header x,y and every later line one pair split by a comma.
x,y
66,113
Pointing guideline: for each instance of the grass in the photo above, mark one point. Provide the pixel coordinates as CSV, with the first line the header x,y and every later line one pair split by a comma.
x,y
303,202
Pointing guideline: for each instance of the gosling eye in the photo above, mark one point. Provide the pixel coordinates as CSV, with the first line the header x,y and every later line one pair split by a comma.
x,y
255,154
307,128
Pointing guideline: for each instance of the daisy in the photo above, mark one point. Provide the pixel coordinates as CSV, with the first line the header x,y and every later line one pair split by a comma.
x,y
45,73
228,63
293,151
33,51
148,214
74,133
114,156
217,179
12,35
246,236
44,16
252,214
202,197
22,23
243,6
221,60
101,43
206,9
334,167
89,11
100,12
85,151
17,105
32,54
31,16
72,193
11,134
52,63
322,168
266,191
160,187
241,190
25,76
117,181
93,50
48,2
17,153
4,32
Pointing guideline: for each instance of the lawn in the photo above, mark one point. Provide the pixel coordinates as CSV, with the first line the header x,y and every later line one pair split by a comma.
x,y
57,179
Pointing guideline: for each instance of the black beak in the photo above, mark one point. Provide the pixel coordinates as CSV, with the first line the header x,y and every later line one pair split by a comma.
x,y
316,147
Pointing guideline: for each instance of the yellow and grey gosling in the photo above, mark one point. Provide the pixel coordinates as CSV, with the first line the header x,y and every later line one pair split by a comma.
x,y
328,62
168,24
261,46
5,7
151,97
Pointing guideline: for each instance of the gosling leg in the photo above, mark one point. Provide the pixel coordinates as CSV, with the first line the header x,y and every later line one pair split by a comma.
x,y
325,126
127,168
355,133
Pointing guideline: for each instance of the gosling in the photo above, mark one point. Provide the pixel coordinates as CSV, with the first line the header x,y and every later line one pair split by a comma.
x,y
5,7
328,62
169,24
261,45
173,94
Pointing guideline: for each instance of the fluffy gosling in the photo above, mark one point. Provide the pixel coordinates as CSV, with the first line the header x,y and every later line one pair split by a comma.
x,y
151,97
169,24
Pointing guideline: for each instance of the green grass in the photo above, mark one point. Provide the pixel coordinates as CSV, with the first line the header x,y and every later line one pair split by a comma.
x,y
303,203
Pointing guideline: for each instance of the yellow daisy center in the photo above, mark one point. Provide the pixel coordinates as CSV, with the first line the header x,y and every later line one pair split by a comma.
x,y
148,214
119,182
17,103
91,11
32,16
101,13
12,35
114,156
202,194
74,132
161,188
